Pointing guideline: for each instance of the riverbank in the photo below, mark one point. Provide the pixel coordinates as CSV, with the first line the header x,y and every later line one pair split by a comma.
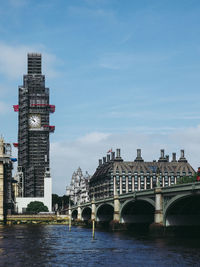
x,y
36,219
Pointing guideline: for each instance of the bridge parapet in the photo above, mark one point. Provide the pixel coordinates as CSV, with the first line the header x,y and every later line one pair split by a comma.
x,y
181,187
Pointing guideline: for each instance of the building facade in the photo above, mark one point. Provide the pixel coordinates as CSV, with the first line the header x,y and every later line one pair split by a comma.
x,y
33,130
115,176
78,191
6,192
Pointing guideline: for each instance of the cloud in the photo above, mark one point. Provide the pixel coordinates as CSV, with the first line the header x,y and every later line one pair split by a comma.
x,y
66,157
13,60
189,139
92,138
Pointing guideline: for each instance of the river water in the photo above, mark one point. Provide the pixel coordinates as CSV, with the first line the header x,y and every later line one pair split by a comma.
x,y
54,245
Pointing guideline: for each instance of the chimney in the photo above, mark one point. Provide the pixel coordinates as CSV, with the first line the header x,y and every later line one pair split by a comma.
x,y
182,158
100,162
104,160
162,156
173,157
108,158
167,158
112,155
118,152
138,153
139,157
118,157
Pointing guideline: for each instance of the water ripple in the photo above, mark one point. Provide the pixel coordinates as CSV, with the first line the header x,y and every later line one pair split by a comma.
x,y
54,245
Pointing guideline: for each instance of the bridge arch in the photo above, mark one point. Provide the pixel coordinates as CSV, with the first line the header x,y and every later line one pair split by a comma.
x,y
151,201
137,211
74,214
182,210
86,213
105,212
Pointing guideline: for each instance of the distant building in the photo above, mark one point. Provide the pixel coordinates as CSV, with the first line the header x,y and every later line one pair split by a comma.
x,y
114,175
6,191
79,187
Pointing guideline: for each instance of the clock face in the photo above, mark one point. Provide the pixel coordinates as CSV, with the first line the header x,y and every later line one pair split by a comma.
x,y
34,121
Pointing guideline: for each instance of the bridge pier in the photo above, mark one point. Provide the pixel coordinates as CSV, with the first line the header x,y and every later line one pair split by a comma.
x,y
157,228
116,216
79,217
158,206
115,223
70,216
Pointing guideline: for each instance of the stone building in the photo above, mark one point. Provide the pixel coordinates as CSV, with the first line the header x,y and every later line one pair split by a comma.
x,y
79,187
6,192
115,175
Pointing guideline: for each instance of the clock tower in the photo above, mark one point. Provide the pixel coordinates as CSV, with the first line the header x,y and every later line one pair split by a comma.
x,y
33,130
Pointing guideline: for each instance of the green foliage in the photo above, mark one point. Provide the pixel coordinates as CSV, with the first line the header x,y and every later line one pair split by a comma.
x,y
36,207
187,179
56,200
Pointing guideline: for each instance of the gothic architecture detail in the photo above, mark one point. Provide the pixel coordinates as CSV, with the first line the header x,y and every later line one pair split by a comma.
x,y
79,187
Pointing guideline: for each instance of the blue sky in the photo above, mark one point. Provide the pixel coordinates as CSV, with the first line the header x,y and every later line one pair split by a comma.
x,y
121,74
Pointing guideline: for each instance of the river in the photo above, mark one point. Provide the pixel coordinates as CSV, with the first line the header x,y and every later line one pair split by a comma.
x,y
54,245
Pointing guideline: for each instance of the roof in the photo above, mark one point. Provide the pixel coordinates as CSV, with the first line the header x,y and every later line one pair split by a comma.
x,y
130,167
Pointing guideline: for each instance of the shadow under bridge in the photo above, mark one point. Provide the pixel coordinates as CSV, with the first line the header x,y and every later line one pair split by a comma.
x,y
86,214
137,212
183,211
105,213
74,214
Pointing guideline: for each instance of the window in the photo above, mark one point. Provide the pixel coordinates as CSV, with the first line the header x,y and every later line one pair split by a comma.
x,y
148,181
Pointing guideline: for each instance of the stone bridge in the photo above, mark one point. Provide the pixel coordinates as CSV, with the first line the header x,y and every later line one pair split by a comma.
x,y
177,205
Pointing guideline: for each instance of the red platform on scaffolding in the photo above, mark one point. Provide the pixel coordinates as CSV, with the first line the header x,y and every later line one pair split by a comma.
x,y
16,108
15,144
50,127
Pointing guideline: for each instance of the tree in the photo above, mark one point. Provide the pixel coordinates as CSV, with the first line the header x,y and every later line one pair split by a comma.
x,y
36,207
187,179
56,200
